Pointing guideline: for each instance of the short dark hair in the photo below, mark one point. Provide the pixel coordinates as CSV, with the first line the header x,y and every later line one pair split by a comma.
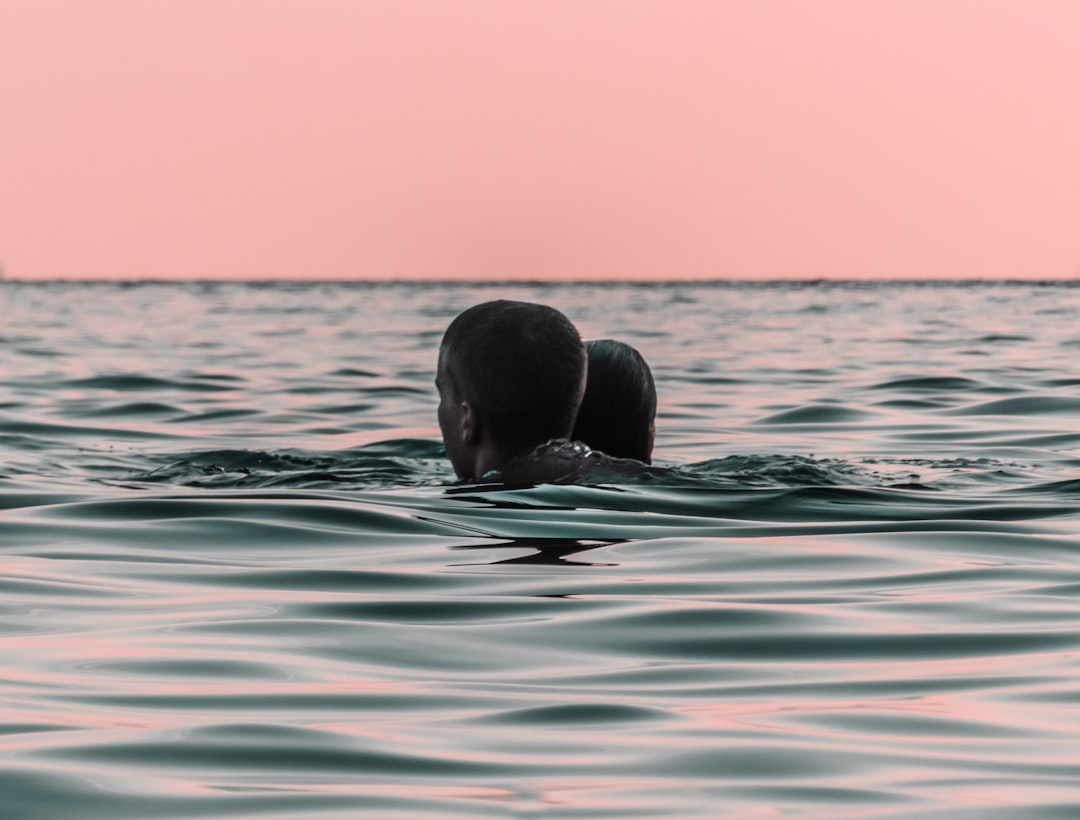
x,y
520,365
619,406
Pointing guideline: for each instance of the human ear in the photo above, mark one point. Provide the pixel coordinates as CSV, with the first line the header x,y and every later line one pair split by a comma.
x,y
470,424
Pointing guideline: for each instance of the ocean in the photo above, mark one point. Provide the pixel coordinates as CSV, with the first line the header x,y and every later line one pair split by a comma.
x,y
239,580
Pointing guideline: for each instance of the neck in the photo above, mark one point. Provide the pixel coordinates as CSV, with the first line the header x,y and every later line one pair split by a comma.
x,y
495,457
554,460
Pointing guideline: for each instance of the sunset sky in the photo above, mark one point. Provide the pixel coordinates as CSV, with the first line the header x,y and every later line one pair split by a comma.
x,y
535,139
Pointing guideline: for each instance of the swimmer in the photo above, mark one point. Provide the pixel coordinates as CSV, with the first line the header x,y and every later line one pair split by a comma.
x,y
618,413
510,378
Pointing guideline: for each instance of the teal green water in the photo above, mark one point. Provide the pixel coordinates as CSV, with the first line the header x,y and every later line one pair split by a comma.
x,y
236,579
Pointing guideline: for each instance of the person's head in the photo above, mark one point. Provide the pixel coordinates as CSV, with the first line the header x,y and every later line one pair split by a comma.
x,y
510,377
618,413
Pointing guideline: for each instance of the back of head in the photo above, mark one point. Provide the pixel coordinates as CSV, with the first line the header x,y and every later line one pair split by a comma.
x,y
521,366
617,414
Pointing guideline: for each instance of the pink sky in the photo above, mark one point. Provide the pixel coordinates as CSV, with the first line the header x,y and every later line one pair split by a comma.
x,y
566,139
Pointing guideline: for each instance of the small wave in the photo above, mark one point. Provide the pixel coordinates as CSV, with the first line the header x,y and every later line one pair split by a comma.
x,y
45,430
127,382
930,384
401,462
137,409
353,372
995,338
215,377
777,471
1023,406
1066,488
815,414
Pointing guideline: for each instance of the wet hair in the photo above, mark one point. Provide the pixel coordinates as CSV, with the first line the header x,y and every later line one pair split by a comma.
x,y
619,407
520,365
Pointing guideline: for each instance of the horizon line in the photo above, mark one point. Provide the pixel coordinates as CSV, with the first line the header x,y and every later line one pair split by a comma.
x,y
538,282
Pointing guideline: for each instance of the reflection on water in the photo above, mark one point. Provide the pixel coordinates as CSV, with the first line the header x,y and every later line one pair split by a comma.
x,y
237,580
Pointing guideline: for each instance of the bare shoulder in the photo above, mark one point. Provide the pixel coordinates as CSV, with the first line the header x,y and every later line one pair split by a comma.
x,y
600,468
562,461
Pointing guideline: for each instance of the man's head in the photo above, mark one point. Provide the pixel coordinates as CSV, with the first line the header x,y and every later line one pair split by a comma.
x,y
618,413
510,377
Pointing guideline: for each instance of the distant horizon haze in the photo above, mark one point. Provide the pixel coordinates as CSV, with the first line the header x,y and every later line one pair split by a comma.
x,y
571,140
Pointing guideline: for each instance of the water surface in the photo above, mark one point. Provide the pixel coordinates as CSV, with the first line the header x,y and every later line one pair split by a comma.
x,y
238,579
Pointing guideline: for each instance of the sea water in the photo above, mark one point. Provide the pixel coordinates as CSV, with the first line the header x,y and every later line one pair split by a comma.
x,y
238,579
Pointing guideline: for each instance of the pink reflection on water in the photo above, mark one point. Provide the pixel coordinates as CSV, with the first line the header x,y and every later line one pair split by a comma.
x,y
1004,706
